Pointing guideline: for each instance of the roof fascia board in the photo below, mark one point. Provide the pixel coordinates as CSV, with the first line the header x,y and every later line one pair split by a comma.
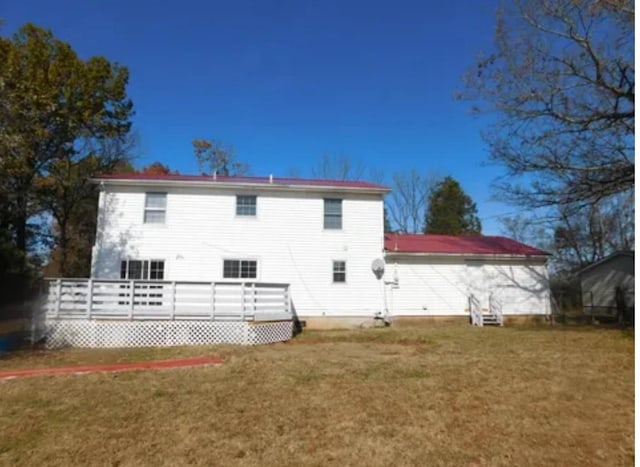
x,y
236,185
484,256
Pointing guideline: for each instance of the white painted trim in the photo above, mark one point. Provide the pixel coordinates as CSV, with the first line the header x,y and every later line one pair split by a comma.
x,y
242,185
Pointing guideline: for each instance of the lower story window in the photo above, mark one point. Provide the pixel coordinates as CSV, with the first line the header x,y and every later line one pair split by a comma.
x,y
240,269
339,271
146,269
135,269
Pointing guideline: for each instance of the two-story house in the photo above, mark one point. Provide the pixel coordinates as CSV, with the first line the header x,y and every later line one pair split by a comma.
x,y
318,236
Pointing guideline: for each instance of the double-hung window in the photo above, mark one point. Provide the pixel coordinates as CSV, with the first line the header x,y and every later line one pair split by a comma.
x,y
332,213
339,271
155,208
246,205
240,269
136,269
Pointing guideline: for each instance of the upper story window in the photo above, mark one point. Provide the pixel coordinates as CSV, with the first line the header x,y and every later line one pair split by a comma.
x,y
339,271
240,269
155,208
332,213
246,205
135,269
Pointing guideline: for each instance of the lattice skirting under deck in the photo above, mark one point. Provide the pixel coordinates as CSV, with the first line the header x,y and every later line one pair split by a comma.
x,y
97,333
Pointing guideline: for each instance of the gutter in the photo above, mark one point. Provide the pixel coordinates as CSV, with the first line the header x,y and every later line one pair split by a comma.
x,y
397,254
241,185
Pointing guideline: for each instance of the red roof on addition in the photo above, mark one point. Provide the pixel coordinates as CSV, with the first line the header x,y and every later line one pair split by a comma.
x,y
278,181
452,244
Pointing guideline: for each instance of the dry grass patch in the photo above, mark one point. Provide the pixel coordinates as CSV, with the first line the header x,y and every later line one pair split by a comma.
x,y
445,396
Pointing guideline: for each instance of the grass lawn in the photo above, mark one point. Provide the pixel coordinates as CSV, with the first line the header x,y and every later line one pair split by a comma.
x,y
453,395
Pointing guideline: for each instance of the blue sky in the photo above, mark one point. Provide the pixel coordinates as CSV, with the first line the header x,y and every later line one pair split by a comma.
x,y
286,81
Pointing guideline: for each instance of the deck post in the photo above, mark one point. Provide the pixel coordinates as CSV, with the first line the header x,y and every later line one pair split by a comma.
x,y
287,291
133,296
213,300
242,307
58,296
255,299
173,300
89,297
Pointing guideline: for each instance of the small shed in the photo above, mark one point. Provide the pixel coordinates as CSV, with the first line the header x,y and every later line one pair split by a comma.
x,y
608,285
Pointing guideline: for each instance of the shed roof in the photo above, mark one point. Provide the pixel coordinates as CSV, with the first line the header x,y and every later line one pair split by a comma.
x,y
615,254
458,245
222,180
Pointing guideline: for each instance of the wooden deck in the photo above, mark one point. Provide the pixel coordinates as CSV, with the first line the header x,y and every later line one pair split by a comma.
x,y
167,300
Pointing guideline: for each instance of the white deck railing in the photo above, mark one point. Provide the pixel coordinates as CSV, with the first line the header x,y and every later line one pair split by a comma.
x,y
495,308
475,310
166,300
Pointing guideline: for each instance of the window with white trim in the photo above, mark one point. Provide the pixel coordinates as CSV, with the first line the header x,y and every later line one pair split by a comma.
x,y
246,205
147,269
339,271
239,269
332,213
155,208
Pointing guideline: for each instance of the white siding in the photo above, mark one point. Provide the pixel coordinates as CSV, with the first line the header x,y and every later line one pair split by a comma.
x,y
600,282
440,286
286,237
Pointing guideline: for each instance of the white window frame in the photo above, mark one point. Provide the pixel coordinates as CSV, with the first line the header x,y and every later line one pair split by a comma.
x,y
146,268
154,209
255,206
334,272
241,260
153,297
327,215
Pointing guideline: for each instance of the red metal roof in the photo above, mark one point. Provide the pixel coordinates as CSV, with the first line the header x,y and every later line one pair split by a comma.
x,y
452,244
246,180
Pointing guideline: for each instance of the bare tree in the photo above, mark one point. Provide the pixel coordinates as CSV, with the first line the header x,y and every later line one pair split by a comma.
x,y
578,236
216,157
407,202
338,167
562,82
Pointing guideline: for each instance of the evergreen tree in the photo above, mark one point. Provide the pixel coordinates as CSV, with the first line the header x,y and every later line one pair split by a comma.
x,y
387,222
451,211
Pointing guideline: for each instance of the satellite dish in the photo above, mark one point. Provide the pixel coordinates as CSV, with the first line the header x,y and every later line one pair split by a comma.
x,y
377,266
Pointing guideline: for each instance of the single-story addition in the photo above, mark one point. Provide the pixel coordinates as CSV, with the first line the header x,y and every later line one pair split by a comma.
x,y
447,276
182,259
609,284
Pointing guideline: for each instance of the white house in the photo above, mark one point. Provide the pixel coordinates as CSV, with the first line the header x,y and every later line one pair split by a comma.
x,y
319,236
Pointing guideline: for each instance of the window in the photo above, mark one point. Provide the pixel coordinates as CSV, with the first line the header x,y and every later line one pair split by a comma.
x,y
339,271
245,205
332,213
135,269
155,208
239,269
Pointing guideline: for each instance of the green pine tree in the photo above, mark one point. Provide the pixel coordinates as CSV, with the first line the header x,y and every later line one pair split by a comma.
x,y
451,211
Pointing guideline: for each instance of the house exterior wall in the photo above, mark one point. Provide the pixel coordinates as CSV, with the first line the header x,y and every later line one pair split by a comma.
x,y
599,283
286,238
440,286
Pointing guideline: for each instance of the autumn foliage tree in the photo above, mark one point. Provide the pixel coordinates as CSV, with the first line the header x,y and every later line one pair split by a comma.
x,y
215,157
58,113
